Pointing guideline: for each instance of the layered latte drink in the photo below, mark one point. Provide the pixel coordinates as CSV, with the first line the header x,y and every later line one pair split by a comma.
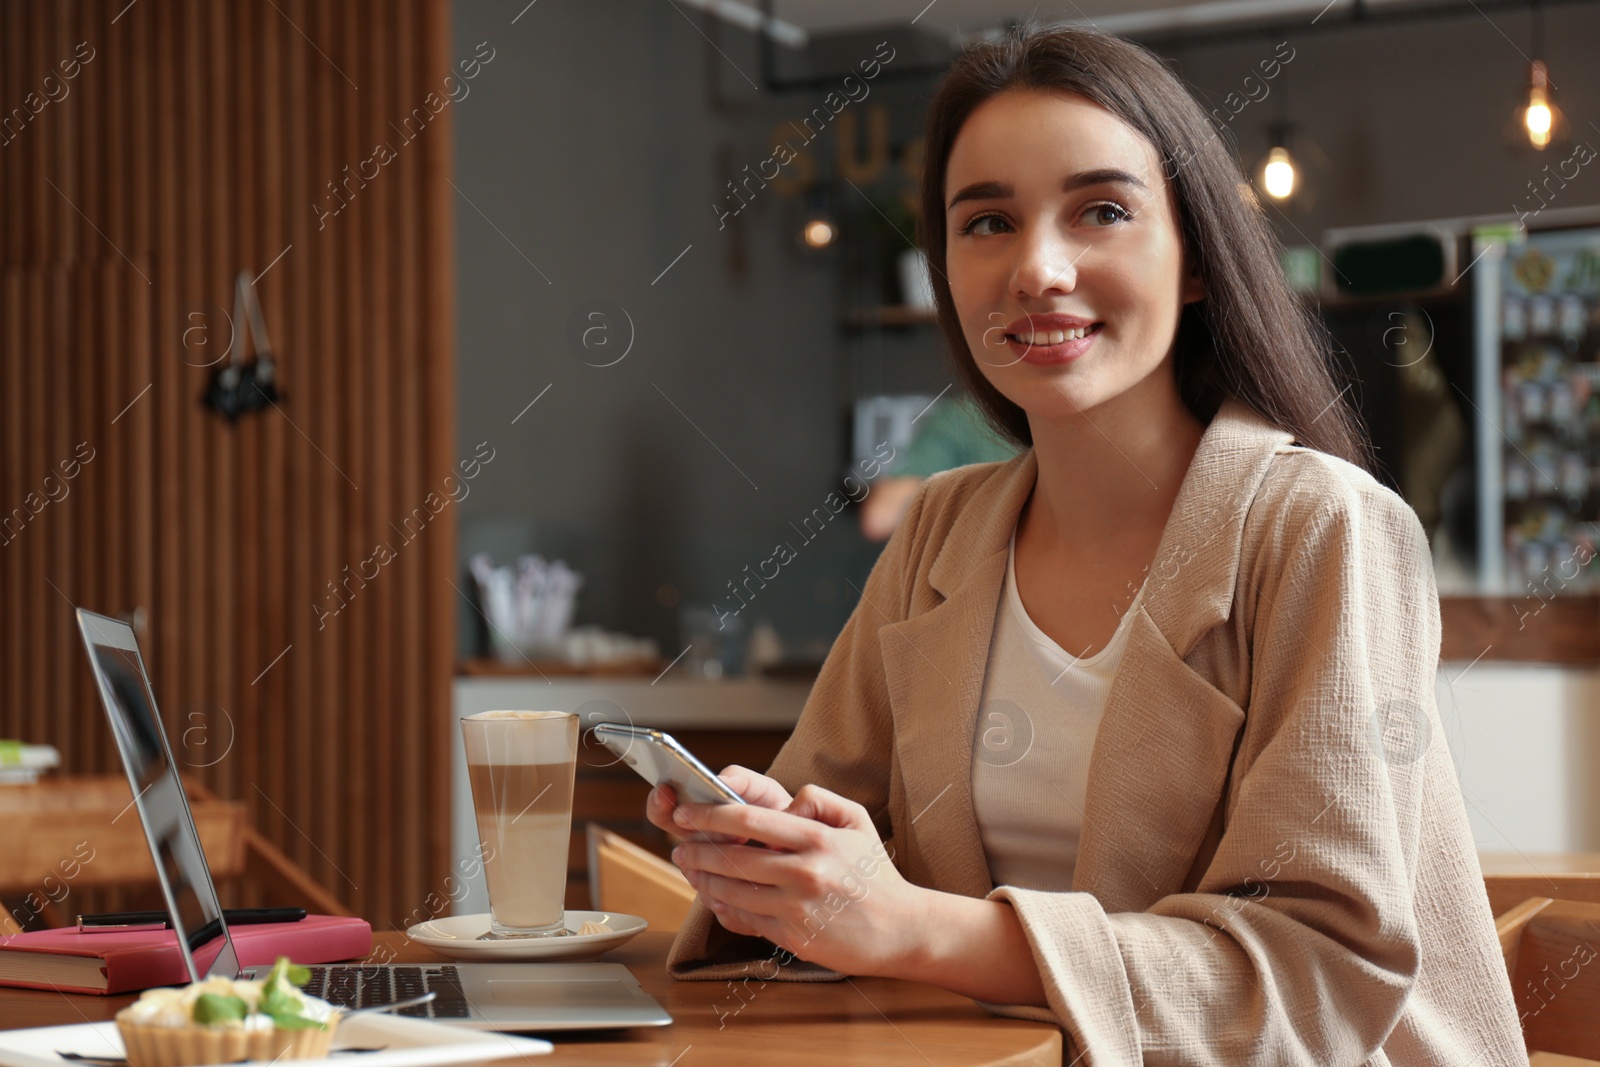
x,y
520,764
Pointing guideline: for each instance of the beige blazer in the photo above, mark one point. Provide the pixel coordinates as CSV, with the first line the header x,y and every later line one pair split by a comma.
x,y
1275,865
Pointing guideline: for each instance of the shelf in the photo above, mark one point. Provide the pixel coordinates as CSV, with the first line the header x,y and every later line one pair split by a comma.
x,y
493,668
895,316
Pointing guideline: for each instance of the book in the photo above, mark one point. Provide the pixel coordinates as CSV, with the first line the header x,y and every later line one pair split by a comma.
x,y
73,962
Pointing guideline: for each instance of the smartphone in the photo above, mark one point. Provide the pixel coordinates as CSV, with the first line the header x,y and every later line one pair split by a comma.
x,y
660,760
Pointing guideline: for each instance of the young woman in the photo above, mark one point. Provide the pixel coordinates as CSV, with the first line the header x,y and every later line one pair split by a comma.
x,y
1145,716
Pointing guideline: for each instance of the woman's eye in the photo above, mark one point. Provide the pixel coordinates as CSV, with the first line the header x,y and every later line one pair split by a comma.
x,y
1107,214
983,226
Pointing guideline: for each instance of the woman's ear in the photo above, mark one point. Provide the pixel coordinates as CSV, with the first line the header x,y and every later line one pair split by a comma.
x,y
1194,288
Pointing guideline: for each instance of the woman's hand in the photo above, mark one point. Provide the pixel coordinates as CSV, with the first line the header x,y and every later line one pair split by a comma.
x,y
823,889
756,789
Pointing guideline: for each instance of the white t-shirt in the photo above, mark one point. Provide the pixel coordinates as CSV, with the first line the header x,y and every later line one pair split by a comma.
x,y
1037,722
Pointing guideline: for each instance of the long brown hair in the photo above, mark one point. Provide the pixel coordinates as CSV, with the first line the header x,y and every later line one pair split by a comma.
x,y
1250,338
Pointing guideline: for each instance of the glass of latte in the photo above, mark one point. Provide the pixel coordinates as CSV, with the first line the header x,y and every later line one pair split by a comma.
x,y
520,764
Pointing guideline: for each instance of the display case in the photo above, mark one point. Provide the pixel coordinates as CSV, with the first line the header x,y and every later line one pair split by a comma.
x,y
1541,339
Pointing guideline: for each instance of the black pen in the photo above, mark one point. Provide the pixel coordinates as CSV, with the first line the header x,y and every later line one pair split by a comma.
x,y
122,922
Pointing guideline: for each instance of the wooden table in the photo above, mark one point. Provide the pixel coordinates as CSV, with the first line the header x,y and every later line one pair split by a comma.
x,y
862,1020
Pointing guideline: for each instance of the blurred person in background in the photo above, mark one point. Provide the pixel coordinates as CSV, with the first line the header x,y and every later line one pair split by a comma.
x,y
953,433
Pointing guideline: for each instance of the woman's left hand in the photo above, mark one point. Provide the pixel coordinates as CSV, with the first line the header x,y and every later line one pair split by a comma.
x,y
824,888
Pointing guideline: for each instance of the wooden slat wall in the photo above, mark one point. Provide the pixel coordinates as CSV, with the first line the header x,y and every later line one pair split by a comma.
x,y
192,145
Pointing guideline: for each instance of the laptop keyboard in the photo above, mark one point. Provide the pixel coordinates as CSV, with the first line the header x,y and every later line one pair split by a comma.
x,y
354,986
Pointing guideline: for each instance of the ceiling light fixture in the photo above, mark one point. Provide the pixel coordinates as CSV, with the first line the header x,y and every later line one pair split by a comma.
x,y
749,18
1538,115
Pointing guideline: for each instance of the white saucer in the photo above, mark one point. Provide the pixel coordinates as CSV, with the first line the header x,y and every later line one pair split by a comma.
x,y
457,936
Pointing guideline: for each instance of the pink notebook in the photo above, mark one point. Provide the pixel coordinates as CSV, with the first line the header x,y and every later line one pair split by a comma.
x,y
71,962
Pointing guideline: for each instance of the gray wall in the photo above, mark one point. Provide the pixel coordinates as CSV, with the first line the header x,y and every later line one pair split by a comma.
x,y
597,140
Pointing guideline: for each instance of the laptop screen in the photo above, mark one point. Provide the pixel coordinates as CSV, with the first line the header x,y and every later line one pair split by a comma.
x,y
158,795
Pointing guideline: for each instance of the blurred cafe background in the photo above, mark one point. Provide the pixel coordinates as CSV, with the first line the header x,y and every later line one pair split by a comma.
x,y
388,362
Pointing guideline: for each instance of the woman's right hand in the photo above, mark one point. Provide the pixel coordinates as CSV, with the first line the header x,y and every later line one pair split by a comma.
x,y
756,789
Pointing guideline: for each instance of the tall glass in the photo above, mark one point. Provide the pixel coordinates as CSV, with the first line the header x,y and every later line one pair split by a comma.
x,y
520,764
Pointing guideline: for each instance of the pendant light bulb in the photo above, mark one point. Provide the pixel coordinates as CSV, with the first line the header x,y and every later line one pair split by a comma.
x,y
1539,115
1278,174
819,233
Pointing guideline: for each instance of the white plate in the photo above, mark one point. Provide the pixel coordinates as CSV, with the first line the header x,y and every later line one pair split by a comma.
x,y
457,936
405,1043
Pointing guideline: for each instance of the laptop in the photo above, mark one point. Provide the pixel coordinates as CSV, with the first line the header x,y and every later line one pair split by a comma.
x,y
481,996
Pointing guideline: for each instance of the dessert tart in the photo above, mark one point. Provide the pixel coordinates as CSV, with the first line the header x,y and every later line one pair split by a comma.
x,y
221,1020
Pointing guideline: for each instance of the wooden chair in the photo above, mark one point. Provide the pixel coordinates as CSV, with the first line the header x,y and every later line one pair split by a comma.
x,y
68,833
626,878
1512,878
1552,953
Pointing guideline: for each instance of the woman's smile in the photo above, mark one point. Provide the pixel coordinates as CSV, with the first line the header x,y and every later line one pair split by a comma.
x,y
1051,339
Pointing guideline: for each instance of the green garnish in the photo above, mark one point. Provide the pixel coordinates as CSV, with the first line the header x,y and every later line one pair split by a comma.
x,y
278,1003
215,1008
284,971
